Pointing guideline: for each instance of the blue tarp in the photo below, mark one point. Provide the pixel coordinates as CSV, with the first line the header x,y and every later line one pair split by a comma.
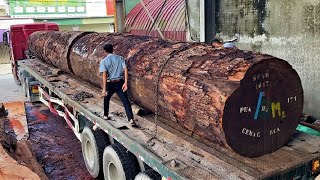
x,y
308,130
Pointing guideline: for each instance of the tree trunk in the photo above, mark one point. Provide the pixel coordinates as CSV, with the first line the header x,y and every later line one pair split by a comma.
x,y
52,47
249,101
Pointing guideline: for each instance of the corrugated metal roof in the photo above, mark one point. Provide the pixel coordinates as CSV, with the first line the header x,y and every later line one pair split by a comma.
x,y
169,15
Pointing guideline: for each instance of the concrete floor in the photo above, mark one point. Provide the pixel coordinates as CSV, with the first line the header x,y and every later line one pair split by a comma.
x,y
9,90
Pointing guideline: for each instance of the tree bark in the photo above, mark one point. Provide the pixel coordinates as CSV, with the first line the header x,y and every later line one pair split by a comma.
x,y
53,47
248,101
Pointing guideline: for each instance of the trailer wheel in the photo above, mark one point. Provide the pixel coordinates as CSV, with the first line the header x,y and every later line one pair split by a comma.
x,y
119,163
148,175
93,144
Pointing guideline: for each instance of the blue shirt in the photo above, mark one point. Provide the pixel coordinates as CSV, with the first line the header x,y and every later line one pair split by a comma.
x,y
114,65
228,45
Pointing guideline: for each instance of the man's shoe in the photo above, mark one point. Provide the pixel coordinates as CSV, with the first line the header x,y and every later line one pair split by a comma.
x,y
106,117
133,123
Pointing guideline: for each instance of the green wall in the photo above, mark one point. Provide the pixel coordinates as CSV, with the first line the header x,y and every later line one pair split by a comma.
x,y
87,27
130,4
86,24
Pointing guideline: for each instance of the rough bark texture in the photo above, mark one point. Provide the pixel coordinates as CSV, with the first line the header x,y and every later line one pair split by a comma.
x,y
57,44
248,101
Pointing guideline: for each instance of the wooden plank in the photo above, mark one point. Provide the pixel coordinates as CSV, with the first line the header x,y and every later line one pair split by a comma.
x,y
305,143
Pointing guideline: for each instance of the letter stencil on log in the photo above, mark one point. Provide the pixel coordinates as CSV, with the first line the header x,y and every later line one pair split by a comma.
x,y
221,95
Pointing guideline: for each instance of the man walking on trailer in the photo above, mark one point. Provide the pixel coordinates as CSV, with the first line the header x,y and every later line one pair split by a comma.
x,y
115,80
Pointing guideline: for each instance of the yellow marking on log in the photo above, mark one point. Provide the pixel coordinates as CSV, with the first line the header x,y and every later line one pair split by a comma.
x,y
274,107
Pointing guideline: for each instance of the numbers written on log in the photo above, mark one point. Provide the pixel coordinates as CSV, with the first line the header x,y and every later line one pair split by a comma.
x,y
263,118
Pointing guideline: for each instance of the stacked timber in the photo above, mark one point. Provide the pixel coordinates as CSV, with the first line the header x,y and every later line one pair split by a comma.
x,y
248,101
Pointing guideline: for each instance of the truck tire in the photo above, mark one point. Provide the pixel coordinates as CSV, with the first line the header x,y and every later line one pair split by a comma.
x,y
119,163
93,144
148,175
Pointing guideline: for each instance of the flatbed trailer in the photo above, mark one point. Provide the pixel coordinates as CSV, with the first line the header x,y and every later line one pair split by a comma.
x,y
157,145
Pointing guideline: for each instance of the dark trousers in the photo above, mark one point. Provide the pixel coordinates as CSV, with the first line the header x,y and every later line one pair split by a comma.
x,y
116,87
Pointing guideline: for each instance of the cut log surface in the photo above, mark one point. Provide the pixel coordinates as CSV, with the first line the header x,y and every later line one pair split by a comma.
x,y
242,100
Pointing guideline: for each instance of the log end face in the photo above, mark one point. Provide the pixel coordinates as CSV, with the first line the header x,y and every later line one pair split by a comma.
x,y
261,115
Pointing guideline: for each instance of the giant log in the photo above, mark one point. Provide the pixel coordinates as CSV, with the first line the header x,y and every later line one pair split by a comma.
x,y
248,101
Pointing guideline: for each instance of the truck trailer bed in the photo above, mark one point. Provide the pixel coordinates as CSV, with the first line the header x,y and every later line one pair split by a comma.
x,y
169,149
